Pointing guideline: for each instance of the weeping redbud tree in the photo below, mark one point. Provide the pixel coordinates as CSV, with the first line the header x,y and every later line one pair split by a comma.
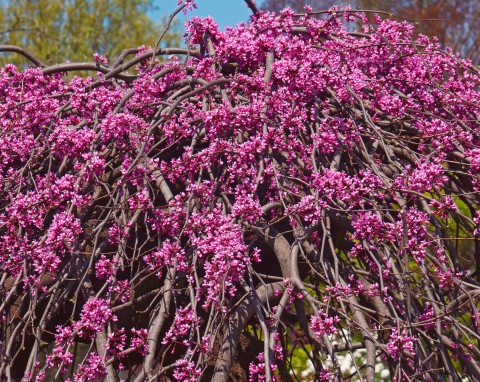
x,y
301,187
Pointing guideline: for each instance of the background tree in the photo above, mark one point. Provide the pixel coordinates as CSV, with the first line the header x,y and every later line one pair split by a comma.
x,y
455,23
58,30
289,186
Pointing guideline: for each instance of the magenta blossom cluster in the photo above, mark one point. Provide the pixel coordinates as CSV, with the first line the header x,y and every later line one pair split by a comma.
x,y
399,343
324,325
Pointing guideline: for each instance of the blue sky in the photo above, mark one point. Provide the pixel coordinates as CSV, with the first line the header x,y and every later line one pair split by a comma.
x,y
224,12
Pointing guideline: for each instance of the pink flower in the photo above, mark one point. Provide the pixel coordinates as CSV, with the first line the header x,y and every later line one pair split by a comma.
x,y
100,59
183,324
95,314
139,340
324,324
399,343
186,371
92,369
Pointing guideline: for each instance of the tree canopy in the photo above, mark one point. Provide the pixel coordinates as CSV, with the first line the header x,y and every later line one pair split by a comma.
x,y
58,30
289,187
455,23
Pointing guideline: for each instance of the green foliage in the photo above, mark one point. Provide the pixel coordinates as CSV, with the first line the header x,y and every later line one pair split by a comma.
x,y
60,30
458,230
